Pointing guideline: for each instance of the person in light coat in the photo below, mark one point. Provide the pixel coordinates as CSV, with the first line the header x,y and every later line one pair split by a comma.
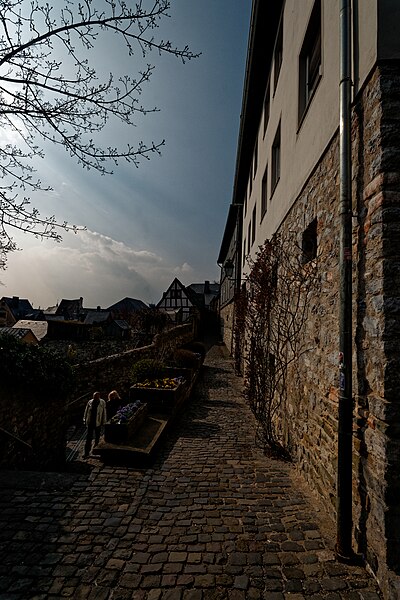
x,y
94,417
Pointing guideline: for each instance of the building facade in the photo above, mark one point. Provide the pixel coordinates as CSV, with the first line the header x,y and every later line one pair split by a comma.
x,y
287,181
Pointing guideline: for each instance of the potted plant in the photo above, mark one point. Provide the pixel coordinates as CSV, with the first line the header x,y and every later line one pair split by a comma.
x,y
161,394
127,420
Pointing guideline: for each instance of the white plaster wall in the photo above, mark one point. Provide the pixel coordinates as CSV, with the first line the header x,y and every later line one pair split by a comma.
x,y
301,148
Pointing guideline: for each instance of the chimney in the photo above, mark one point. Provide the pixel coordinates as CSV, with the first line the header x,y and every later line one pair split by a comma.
x,y
206,287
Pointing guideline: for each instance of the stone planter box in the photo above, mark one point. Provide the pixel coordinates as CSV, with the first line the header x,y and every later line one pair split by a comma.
x,y
158,399
120,433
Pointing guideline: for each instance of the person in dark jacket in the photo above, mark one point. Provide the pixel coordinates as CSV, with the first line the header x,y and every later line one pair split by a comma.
x,y
114,402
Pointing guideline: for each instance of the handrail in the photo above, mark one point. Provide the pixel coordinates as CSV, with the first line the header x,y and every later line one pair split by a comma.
x,y
2,430
86,395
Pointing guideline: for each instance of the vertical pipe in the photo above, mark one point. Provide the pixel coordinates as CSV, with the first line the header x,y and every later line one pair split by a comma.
x,y
344,550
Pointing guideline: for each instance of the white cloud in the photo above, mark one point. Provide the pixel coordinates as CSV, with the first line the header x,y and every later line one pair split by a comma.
x,y
89,264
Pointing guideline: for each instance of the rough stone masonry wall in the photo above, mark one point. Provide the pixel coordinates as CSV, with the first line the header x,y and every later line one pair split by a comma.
x,y
312,408
227,325
40,425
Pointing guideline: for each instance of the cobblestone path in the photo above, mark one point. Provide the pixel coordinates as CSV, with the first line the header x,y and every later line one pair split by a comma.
x,y
212,519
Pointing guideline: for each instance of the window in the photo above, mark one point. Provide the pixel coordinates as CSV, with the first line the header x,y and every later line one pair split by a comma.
x,y
310,60
278,54
245,202
276,159
264,193
176,294
248,238
309,242
244,252
250,181
253,225
255,158
267,102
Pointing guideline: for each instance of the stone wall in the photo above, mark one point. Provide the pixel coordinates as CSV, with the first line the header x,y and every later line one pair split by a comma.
x,y
113,372
227,325
32,431
310,415
33,428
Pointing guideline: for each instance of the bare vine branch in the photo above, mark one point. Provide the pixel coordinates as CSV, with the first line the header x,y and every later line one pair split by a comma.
x,y
275,309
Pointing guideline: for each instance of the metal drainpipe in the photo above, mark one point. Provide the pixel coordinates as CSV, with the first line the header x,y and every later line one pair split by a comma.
x,y
343,547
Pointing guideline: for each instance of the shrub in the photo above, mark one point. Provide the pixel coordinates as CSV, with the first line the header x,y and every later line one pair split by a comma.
x,y
147,368
34,368
186,358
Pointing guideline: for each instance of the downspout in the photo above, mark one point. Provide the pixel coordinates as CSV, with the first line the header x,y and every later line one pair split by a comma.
x,y
238,281
343,546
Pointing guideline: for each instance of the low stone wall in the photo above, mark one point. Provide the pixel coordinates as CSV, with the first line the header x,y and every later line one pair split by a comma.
x,y
32,431
33,428
113,372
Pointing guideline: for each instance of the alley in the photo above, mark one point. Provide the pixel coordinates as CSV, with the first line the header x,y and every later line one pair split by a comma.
x,y
212,519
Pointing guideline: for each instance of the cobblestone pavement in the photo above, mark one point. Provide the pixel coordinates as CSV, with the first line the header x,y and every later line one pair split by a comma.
x,y
212,519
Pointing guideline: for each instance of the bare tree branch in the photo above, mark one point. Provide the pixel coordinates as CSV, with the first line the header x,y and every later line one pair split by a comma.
x,y
52,91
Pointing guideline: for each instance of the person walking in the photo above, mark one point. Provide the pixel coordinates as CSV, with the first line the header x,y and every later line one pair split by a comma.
x,y
113,404
94,417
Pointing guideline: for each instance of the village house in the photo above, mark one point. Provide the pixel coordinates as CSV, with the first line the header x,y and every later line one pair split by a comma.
x,y
197,300
12,309
290,180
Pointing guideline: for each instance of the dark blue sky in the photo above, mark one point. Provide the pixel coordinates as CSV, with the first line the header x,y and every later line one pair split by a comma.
x,y
166,218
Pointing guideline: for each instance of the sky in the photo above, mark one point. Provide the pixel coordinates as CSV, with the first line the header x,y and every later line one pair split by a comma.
x,y
165,219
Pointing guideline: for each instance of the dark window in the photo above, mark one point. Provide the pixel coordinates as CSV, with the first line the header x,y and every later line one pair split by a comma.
x,y
253,225
176,294
248,238
267,102
250,180
278,54
255,158
244,251
309,242
264,193
310,60
276,159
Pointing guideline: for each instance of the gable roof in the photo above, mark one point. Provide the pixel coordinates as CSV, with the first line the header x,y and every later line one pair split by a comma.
x,y
38,328
20,333
194,298
127,305
206,291
18,306
70,308
96,316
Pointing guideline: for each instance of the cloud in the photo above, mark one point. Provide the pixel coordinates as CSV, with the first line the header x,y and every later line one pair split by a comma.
x,y
89,264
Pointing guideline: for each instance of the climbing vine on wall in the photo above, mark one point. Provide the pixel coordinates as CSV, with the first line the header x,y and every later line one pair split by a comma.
x,y
275,307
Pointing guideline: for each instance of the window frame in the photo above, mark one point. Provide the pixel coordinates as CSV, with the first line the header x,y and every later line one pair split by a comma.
x,y
264,193
255,158
266,107
309,242
278,53
310,54
276,159
253,224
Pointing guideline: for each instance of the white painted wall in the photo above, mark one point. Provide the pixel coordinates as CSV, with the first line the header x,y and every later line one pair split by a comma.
x,y
301,148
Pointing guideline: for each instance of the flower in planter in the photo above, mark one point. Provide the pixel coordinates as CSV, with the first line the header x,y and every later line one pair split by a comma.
x,y
126,412
167,383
